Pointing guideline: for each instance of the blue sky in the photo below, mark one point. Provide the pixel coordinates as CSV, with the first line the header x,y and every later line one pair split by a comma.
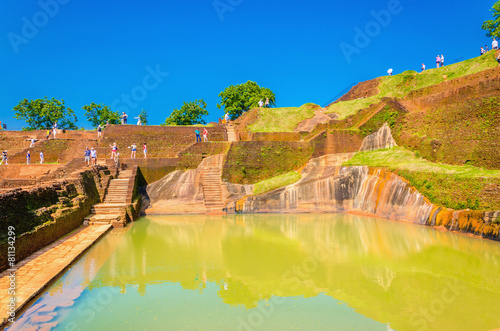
x,y
154,55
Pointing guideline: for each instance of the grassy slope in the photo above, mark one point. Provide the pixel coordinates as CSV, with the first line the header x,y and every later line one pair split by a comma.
x,y
452,186
281,119
276,182
399,86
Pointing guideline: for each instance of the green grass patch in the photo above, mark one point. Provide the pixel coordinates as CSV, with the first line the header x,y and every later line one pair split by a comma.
x,y
451,186
282,119
399,86
276,182
401,158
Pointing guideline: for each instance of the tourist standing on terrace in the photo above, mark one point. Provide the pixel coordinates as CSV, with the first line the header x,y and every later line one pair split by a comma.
x,y
482,51
134,149
205,134
4,157
423,67
114,149
99,131
41,157
28,158
494,44
198,137
124,118
54,131
32,142
486,48
266,104
438,61
138,118
389,72
261,103
93,154
226,118
145,150
442,60
48,134
87,156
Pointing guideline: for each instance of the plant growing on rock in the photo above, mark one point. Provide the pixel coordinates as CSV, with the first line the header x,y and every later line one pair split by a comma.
x,y
492,27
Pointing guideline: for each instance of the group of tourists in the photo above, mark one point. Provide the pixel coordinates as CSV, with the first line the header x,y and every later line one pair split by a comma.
x,y
265,104
198,137
124,118
485,49
28,157
90,156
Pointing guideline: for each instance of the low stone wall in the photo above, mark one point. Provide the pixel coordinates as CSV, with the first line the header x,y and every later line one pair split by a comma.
x,y
41,215
274,136
148,170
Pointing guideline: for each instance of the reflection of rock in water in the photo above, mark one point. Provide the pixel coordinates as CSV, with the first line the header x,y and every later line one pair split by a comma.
x,y
382,276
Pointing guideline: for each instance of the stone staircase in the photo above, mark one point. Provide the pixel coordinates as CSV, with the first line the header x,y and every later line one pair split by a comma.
x,y
212,190
231,134
115,201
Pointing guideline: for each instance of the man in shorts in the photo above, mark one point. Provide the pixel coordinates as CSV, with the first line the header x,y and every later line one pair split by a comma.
x,y
87,156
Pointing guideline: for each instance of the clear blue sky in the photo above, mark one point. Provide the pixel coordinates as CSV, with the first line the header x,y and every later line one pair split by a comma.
x,y
98,51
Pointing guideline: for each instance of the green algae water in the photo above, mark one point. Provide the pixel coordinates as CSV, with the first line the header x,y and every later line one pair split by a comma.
x,y
275,272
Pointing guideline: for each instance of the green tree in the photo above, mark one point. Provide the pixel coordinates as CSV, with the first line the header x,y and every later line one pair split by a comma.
x,y
191,112
41,114
143,116
99,114
238,99
492,27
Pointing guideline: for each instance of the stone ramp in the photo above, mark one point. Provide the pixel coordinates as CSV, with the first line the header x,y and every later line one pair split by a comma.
x,y
37,271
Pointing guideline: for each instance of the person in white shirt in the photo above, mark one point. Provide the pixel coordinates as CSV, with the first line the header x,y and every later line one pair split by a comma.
x,y
423,67
389,72
442,60
261,103
494,44
32,143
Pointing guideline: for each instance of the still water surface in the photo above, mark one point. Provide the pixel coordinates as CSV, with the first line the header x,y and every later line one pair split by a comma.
x,y
276,272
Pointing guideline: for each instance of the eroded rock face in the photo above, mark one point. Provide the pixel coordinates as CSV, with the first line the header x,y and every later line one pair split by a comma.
x,y
378,140
178,192
181,192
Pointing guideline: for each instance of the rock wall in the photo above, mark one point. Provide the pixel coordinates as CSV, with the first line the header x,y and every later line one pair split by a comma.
x,y
326,186
41,215
378,140
181,192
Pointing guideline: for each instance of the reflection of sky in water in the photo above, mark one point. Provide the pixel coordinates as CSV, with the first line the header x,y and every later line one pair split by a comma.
x,y
272,272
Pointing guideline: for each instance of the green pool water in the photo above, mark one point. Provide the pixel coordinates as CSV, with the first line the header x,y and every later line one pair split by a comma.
x,y
275,272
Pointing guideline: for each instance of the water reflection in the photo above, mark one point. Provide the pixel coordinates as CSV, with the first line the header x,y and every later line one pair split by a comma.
x,y
411,276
